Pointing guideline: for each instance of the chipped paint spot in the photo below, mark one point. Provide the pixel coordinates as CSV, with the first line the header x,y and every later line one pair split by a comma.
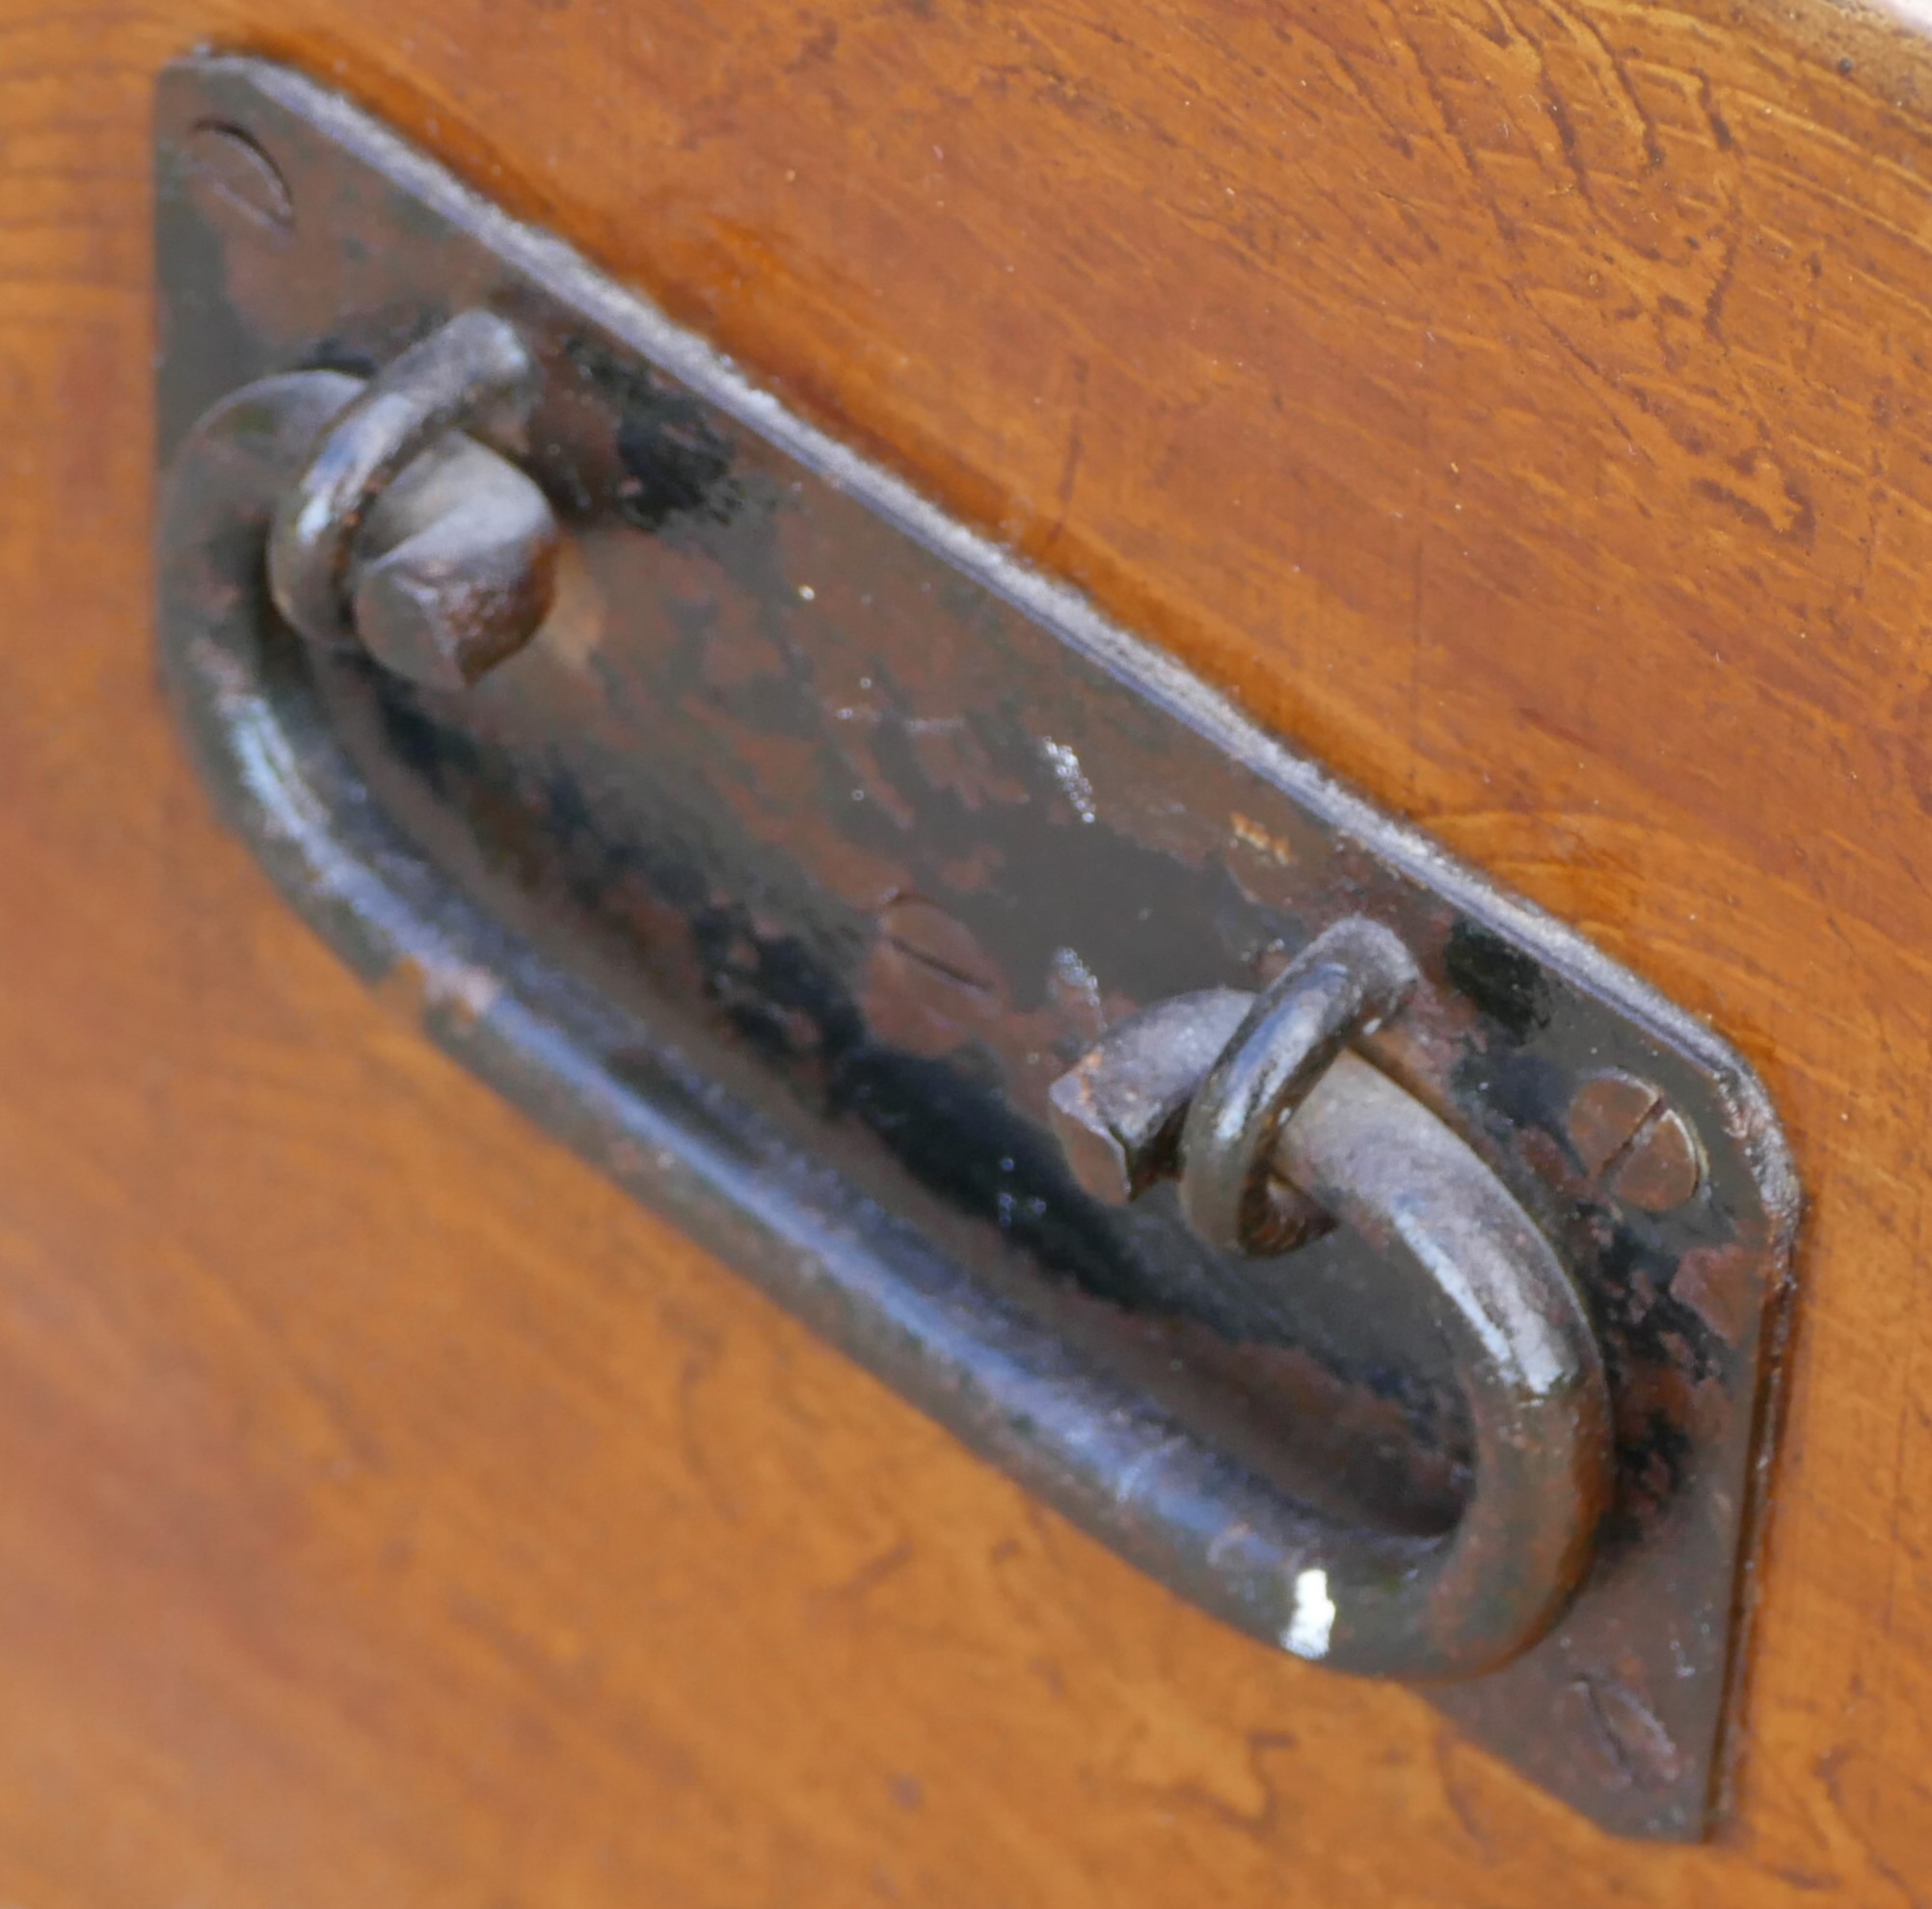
x,y
421,984
574,629
1314,1619
1252,835
1069,979
1070,776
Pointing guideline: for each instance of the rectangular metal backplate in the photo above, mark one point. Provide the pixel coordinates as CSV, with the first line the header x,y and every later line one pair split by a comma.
x,y
843,813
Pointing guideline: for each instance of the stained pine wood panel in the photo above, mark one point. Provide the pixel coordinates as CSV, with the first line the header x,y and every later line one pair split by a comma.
x,y
1523,406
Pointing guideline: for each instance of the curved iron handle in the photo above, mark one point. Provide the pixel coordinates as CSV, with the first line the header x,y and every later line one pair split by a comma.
x,y
1090,1443
1228,1092
1370,1153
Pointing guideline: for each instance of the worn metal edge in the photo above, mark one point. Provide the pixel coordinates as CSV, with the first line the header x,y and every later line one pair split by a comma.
x,y
1769,1424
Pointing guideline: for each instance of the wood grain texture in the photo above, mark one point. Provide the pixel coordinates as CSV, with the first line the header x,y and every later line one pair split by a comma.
x,y
1523,406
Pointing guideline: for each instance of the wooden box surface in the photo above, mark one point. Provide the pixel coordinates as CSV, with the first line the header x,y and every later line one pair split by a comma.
x,y
1522,409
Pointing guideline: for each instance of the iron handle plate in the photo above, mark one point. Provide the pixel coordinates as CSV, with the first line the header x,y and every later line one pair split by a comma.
x,y
834,838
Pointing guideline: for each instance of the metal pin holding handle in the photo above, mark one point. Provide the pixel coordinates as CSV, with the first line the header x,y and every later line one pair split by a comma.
x,y
409,539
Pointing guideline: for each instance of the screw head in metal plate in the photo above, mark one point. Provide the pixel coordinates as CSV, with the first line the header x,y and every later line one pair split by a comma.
x,y
1633,1144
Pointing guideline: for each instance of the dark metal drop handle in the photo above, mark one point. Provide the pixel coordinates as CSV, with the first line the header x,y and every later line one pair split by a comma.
x,y
322,483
